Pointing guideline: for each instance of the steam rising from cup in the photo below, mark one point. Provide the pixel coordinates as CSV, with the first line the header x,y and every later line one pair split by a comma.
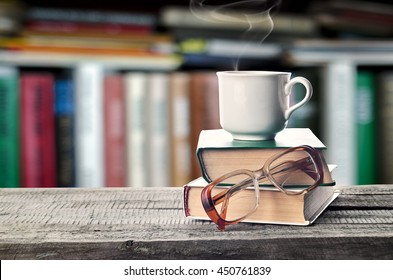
x,y
250,14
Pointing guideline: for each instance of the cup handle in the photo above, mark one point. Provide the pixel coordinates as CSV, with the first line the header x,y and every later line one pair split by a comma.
x,y
288,90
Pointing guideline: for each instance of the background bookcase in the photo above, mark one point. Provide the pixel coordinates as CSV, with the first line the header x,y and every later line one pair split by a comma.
x,y
354,121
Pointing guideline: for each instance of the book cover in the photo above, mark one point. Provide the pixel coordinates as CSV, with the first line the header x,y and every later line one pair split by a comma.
x,y
114,130
180,128
9,127
277,207
64,130
38,157
136,96
204,113
218,153
88,80
365,128
158,130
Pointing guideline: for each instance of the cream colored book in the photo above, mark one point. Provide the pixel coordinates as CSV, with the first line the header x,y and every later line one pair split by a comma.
x,y
275,207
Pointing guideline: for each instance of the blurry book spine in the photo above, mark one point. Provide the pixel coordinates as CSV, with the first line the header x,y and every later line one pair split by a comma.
x,y
38,157
385,127
359,18
64,118
366,128
136,84
114,131
234,20
204,111
339,132
90,16
88,81
92,49
180,128
72,27
9,127
158,130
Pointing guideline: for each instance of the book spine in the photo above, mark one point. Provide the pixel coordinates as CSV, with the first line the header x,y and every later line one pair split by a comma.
x,y
91,16
9,127
366,128
89,125
64,117
37,131
114,131
204,109
137,150
180,128
69,27
339,133
385,127
158,126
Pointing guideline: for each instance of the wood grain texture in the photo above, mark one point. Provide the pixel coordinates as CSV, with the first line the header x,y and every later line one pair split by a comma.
x,y
128,223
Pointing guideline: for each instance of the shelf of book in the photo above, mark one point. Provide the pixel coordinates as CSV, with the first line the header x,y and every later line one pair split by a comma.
x,y
332,114
109,128
346,99
337,112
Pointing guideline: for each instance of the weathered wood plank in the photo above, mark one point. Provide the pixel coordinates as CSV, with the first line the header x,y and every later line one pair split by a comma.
x,y
149,223
282,248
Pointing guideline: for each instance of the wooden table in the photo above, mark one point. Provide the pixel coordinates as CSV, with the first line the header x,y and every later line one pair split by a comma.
x,y
127,223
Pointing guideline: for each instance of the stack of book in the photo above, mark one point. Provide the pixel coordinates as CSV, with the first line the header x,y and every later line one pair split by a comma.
x,y
219,154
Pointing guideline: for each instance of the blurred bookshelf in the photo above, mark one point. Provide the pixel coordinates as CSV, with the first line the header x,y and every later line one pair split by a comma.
x,y
163,46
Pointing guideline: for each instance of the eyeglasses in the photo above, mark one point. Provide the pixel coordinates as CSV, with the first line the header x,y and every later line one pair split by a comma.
x,y
295,166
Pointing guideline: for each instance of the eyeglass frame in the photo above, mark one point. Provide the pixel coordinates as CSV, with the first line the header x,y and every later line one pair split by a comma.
x,y
209,202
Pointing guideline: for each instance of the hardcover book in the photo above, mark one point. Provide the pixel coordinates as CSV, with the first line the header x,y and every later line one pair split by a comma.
x,y
219,154
204,111
366,128
89,168
384,139
275,207
114,132
136,101
64,130
9,127
38,157
158,129
179,109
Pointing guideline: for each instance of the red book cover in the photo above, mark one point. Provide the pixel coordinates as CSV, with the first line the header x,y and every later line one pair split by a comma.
x,y
38,158
114,131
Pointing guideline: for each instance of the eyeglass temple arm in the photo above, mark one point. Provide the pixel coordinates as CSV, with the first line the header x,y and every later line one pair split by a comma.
x,y
302,164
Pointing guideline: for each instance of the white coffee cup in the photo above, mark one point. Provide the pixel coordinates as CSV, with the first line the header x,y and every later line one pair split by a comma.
x,y
255,105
